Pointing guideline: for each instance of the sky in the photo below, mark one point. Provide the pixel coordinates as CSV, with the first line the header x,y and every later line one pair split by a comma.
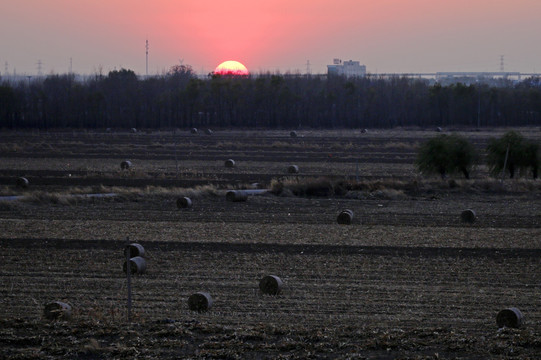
x,y
388,36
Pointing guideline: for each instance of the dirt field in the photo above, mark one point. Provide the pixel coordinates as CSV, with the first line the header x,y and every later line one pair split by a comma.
x,y
407,279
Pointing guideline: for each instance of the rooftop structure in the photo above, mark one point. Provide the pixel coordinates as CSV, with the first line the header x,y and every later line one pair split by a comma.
x,y
346,68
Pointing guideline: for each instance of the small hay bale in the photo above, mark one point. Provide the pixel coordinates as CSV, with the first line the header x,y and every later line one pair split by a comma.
x,y
184,202
293,134
230,163
271,285
293,169
57,310
364,131
194,130
135,250
138,265
200,302
125,165
133,130
208,131
22,182
236,195
468,216
510,317
439,129
345,217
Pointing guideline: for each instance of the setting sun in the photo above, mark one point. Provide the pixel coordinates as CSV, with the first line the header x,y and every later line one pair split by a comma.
x,y
231,67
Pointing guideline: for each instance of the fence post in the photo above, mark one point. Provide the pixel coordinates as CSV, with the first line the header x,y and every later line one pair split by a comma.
x,y
128,274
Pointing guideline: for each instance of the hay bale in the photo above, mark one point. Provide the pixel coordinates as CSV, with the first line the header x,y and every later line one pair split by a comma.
x,y
364,131
22,182
236,195
293,134
57,310
439,129
230,163
125,165
271,285
135,250
200,302
138,265
510,317
345,217
293,169
194,130
133,130
108,130
208,131
468,216
184,202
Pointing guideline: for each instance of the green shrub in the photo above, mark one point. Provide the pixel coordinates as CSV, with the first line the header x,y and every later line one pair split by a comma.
x,y
446,154
521,155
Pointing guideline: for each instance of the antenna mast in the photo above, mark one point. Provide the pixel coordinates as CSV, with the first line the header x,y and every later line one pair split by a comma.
x,y
146,47
39,64
502,68
308,70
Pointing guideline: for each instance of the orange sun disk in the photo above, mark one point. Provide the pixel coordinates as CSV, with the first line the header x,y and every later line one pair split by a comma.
x,y
231,68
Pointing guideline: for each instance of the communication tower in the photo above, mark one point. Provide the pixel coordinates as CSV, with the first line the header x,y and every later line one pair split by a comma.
x,y
146,47
308,70
502,63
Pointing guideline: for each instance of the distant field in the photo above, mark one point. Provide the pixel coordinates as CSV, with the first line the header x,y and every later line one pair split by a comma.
x,y
406,279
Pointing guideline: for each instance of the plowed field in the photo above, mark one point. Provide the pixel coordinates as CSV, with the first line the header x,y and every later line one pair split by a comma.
x,y
407,279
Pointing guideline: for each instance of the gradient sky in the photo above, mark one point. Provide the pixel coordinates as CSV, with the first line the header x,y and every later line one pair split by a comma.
x,y
270,35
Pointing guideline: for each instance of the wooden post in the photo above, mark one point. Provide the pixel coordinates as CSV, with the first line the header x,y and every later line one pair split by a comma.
x,y
128,274
505,162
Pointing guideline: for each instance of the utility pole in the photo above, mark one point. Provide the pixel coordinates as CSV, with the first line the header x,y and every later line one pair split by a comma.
x,y
308,70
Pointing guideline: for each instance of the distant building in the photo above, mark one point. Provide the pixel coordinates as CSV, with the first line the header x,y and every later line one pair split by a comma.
x,y
347,68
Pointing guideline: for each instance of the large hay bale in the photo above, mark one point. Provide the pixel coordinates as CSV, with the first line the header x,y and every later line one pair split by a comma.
x,y
200,302
135,250
133,130
271,285
510,317
230,163
138,265
236,195
364,131
439,129
125,165
184,202
293,169
345,217
194,130
22,182
293,134
57,310
468,216
208,131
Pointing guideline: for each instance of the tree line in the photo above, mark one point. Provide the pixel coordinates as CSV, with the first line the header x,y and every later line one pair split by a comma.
x,y
179,99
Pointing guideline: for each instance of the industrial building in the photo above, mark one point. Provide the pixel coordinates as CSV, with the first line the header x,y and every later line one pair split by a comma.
x,y
346,68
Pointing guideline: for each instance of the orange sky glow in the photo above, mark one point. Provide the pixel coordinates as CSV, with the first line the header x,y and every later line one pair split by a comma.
x,y
271,35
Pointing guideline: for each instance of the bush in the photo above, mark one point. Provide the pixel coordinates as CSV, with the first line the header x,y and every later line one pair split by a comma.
x,y
521,155
446,154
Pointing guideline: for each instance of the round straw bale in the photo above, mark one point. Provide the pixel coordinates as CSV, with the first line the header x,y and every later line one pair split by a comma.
x,y
293,169
229,163
200,301
208,131
138,265
135,250
364,131
184,202
133,130
108,130
125,165
236,195
293,134
57,310
271,285
510,317
468,216
194,130
22,182
345,217
439,129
